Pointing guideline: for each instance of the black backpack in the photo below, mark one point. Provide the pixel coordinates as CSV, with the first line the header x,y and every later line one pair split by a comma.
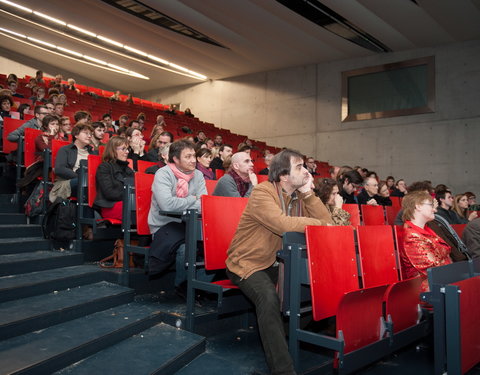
x,y
60,221
34,204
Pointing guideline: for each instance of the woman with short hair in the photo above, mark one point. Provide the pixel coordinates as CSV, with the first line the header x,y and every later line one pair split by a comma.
x,y
423,248
110,178
204,158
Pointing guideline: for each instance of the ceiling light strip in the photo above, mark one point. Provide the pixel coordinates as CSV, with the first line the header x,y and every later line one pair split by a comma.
x,y
179,69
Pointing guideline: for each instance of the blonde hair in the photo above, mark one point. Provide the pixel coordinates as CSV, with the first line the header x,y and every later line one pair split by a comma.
x,y
411,200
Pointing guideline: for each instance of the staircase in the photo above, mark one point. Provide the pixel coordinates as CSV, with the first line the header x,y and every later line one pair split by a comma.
x,y
59,315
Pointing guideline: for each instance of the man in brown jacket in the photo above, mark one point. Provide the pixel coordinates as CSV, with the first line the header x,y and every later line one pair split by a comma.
x,y
284,203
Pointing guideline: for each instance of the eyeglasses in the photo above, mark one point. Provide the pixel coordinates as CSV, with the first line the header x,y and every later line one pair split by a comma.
x,y
124,149
428,204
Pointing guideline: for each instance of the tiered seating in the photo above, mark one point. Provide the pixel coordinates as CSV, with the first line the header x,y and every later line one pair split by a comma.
x,y
358,296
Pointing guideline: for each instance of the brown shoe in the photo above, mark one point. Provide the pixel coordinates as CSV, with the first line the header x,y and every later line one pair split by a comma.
x,y
87,233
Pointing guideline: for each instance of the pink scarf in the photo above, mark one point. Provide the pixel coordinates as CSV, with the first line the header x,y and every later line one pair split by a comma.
x,y
183,179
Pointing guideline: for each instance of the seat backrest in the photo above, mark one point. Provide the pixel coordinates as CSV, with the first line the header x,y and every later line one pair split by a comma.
x,y
332,272
29,142
210,184
142,165
372,215
9,125
219,173
391,214
93,162
459,228
354,212
399,233
261,178
396,202
143,199
377,255
218,228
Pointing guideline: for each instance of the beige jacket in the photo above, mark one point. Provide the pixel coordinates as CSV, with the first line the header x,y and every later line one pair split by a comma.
x,y
259,233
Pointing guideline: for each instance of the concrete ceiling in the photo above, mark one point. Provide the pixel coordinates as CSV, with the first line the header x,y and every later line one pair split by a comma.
x,y
260,35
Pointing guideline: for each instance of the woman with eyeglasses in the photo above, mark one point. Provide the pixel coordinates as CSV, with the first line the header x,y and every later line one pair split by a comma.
x,y
423,248
110,178
327,190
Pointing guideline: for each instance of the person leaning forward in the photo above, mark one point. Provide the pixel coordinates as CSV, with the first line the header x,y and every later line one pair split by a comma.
x,y
284,203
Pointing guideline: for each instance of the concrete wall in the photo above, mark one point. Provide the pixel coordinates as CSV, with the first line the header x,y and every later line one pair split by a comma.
x,y
301,108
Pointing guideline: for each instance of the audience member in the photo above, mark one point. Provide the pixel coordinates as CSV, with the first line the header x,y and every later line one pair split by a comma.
x,y
445,208
65,128
369,194
225,151
82,117
50,107
471,237
115,97
188,112
39,96
129,98
121,122
12,86
39,77
311,166
218,141
136,145
460,206
416,186
390,181
204,158
162,159
333,171
341,173
50,128
268,160
201,137
383,197
471,198
22,109
172,109
209,143
400,189
240,180
349,183
58,109
110,178
6,102
160,121
176,187
327,190
71,86
98,134
35,123
423,248
251,262
109,126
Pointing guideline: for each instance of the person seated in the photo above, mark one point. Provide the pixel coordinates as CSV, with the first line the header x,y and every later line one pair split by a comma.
x,y
218,141
110,178
268,160
129,98
58,109
176,187
162,161
32,83
209,143
49,130
6,102
160,139
141,118
460,206
224,152
39,77
327,190
400,189
172,109
39,96
71,86
23,109
349,183
471,238
472,199
160,121
98,133
57,81
188,112
423,248
341,174
311,166
12,86
416,186
82,117
201,137
390,181
115,97
445,208
65,128
239,180
136,146
369,194
62,98
68,160
12,77
383,197
35,123
204,158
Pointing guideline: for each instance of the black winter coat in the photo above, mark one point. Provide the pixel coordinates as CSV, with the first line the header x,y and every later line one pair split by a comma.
x,y
110,179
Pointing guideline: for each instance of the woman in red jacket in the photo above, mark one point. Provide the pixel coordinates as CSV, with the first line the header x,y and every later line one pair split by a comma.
x,y
423,248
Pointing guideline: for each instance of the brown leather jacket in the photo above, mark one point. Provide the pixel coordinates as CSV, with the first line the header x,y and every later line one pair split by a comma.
x,y
259,233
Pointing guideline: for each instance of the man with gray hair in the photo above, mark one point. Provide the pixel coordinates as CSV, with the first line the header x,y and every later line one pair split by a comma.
x,y
369,194
239,180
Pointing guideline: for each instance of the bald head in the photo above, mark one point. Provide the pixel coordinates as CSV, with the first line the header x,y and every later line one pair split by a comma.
x,y
242,163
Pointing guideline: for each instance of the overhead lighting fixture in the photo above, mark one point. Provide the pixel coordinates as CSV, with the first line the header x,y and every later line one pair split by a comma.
x,y
12,32
50,18
117,67
25,9
94,59
110,41
41,42
83,31
120,51
69,51
134,50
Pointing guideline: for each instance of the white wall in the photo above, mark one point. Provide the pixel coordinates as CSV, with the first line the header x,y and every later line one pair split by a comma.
x,y
301,108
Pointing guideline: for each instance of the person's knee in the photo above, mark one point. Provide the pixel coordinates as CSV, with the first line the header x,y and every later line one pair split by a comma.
x,y
269,300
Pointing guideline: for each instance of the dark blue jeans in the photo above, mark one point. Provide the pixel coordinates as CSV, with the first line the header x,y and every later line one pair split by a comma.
x,y
260,289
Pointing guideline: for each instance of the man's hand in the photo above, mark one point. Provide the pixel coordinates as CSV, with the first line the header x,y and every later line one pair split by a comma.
x,y
372,202
253,178
308,185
